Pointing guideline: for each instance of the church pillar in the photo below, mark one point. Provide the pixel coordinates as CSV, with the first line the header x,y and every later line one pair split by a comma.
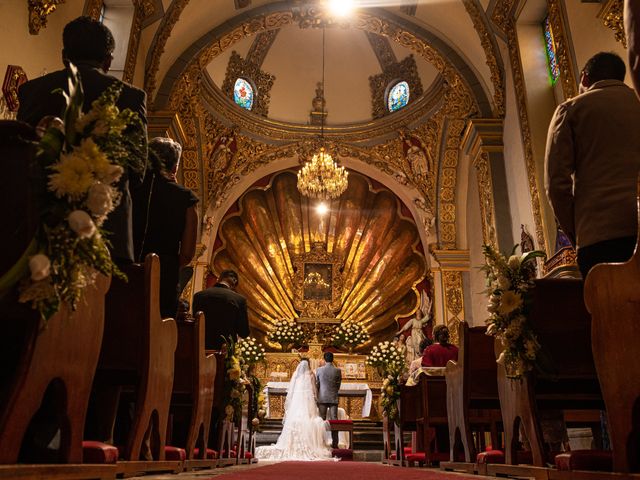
x,y
451,281
483,143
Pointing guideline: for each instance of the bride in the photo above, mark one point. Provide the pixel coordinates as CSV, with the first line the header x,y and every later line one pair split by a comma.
x,y
303,431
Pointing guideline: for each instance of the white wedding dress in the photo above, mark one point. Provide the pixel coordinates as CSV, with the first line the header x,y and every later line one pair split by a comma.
x,y
303,431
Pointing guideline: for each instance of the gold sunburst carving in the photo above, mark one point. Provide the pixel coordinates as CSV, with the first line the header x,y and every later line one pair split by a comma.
x,y
366,233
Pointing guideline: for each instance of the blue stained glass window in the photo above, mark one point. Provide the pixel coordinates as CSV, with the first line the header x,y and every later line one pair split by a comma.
x,y
243,93
398,96
550,47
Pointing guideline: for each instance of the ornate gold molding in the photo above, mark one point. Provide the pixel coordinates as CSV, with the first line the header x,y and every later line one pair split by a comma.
x,y
93,8
262,82
382,49
491,53
39,10
261,46
139,14
563,54
612,16
163,33
407,70
14,77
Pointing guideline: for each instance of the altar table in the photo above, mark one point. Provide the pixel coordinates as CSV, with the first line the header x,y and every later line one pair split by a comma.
x,y
346,390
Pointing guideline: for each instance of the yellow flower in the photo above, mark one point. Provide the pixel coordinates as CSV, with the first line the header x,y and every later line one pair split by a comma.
x,y
73,177
509,301
234,373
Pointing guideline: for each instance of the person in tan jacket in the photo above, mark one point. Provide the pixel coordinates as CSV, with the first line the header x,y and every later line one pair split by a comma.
x,y
592,163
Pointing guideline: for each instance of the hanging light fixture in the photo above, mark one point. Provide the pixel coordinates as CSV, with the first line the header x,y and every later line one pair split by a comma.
x,y
321,177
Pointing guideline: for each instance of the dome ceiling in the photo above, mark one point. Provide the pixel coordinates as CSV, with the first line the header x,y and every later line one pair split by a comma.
x,y
294,58
375,247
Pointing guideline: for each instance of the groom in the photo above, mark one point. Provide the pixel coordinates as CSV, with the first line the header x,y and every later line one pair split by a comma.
x,y
328,379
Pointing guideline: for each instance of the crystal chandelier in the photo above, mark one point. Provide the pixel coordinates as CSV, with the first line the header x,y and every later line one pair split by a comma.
x,y
321,177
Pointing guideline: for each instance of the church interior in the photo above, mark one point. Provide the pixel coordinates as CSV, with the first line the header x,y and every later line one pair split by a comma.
x,y
366,167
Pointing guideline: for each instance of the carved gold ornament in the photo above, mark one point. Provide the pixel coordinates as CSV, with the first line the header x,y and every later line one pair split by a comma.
x,y
39,10
612,15
364,247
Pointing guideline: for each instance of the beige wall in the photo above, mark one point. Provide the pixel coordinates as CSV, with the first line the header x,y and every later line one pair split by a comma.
x,y
37,54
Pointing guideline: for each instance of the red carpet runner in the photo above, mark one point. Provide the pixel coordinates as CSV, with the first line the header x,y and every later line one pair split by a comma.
x,y
341,471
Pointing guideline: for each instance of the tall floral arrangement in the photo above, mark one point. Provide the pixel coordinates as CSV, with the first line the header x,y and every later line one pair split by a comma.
x,y
250,353
235,381
390,362
510,282
81,157
286,332
350,334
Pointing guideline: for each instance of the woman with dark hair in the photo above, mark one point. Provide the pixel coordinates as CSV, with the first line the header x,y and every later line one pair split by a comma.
x,y
438,354
165,220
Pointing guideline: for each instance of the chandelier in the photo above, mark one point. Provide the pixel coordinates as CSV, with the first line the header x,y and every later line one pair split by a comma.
x,y
321,177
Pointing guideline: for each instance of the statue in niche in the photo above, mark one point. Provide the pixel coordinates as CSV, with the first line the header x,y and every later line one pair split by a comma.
x,y
416,327
222,150
417,154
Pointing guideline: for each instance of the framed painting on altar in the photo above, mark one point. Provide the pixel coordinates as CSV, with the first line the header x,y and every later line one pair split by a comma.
x,y
318,279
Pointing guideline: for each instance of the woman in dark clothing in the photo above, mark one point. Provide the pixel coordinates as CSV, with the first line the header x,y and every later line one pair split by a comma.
x,y
165,220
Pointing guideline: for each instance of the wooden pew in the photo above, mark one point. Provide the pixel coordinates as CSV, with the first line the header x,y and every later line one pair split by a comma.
x,y
563,327
138,356
472,392
409,410
434,420
612,295
193,391
48,366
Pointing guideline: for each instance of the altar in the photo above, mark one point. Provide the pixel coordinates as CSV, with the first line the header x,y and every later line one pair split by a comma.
x,y
347,391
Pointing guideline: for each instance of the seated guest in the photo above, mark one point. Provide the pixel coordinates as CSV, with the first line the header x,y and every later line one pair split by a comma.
x,y
438,354
89,45
165,220
417,363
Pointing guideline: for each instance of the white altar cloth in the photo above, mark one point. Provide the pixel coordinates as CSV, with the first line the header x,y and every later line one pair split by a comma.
x,y
346,389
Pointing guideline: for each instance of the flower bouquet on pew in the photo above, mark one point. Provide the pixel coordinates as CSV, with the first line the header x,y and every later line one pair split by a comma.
x,y
510,282
391,364
250,353
81,159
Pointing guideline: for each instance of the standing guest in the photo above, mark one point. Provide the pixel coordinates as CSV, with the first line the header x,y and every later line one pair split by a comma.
x,y
592,163
225,311
438,354
89,45
165,220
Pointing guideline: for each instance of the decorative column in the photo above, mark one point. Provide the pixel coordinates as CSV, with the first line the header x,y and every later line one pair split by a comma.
x,y
482,142
449,278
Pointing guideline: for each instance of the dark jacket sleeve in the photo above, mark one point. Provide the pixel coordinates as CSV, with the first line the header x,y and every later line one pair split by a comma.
x,y
243,319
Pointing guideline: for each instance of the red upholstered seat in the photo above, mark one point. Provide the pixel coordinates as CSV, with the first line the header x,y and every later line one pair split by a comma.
x,y
497,457
248,455
174,453
416,457
98,452
341,422
344,454
598,460
211,454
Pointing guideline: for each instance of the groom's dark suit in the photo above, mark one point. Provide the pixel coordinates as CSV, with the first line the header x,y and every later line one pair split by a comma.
x,y
37,101
328,380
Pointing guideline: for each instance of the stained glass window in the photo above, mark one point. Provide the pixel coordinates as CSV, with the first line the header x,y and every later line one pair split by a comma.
x,y
398,96
552,59
243,93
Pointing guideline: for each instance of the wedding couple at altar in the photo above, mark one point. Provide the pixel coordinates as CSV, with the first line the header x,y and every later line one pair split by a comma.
x,y
310,399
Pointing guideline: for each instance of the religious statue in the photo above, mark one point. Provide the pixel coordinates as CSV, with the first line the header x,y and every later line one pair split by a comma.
x,y
416,153
416,325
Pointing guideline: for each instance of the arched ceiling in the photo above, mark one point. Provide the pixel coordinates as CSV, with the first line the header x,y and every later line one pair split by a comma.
x,y
295,59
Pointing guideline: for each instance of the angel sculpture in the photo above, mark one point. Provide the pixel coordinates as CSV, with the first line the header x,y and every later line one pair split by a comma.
x,y
416,324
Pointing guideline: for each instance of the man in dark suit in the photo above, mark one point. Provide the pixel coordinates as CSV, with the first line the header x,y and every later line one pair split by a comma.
x,y
89,45
328,380
225,311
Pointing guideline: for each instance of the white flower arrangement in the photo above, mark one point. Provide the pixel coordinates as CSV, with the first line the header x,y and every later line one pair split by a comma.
x,y
286,332
249,351
391,364
509,287
350,334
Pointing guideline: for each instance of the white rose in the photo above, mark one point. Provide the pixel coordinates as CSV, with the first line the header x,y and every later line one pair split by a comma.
x,y
40,267
99,200
81,223
113,174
